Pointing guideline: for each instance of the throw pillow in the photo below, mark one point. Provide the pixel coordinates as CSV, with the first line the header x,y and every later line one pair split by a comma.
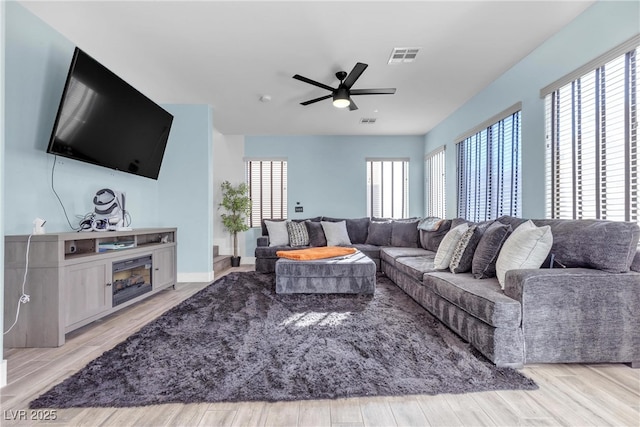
x,y
462,257
430,240
404,234
336,233
527,247
298,234
358,229
316,234
430,223
379,233
447,246
483,265
278,235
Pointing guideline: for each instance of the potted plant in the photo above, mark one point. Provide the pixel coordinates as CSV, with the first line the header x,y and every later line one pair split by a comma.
x,y
237,204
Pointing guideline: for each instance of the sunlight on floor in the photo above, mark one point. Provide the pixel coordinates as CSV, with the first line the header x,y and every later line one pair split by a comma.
x,y
303,320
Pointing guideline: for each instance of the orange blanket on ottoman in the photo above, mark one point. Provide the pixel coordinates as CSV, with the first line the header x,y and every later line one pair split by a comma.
x,y
316,253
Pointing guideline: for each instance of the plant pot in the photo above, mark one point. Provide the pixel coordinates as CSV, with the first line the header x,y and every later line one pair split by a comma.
x,y
235,261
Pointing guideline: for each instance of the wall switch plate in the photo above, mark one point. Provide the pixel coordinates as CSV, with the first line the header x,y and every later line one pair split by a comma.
x,y
298,208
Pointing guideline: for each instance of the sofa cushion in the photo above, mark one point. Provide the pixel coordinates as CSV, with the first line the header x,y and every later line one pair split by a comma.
x,y
298,234
389,254
270,251
316,234
430,240
416,266
590,243
336,233
379,233
371,251
485,256
635,265
483,299
404,234
448,245
527,247
277,231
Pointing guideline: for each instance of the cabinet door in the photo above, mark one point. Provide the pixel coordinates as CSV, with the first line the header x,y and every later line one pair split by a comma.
x,y
87,291
164,267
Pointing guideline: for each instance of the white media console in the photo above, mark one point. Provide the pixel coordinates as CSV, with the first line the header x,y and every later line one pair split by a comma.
x,y
76,278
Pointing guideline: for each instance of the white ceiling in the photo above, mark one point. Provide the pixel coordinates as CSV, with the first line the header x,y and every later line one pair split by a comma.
x,y
229,54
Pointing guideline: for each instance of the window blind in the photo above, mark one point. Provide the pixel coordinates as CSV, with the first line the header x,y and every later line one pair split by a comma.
x,y
267,180
591,140
388,188
435,183
489,171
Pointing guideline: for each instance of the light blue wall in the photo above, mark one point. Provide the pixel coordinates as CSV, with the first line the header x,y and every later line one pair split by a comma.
x,y
3,364
37,62
327,174
600,28
186,187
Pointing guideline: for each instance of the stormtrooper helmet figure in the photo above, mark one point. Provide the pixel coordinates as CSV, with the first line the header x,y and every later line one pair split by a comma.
x,y
110,208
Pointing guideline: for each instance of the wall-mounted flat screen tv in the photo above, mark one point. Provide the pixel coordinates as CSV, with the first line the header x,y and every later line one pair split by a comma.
x,y
105,121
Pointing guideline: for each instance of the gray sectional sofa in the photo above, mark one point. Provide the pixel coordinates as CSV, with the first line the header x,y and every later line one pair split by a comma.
x,y
581,305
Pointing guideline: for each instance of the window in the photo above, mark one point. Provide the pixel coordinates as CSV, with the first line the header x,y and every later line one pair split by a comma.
x,y
592,142
388,188
435,189
489,168
267,180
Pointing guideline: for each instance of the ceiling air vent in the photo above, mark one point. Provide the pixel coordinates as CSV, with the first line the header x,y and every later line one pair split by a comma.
x,y
365,120
403,54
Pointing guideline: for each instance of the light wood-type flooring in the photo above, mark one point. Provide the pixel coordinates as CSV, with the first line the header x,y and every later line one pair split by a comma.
x,y
572,395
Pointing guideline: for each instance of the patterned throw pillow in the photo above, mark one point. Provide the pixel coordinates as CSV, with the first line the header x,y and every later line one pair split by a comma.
x,y
298,235
463,253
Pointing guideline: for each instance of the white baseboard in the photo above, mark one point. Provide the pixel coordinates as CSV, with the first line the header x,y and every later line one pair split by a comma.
x,y
204,277
3,373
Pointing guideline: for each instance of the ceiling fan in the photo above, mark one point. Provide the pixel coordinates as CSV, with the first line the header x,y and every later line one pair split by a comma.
x,y
342,94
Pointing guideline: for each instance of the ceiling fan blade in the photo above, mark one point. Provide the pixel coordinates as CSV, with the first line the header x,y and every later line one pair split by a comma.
x,y
354,74
384,91
311,101
313,82
353,105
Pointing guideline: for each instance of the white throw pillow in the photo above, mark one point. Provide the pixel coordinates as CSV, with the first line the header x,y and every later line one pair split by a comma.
x,y
278,234
448,245
527,247
336,233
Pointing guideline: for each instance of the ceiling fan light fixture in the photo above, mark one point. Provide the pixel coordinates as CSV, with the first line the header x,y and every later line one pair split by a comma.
x,y
341,98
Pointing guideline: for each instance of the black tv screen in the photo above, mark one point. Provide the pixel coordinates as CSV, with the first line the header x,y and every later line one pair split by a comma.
x,y
105,121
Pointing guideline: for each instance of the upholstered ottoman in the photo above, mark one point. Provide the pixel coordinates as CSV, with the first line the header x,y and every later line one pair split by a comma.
x,y
352,274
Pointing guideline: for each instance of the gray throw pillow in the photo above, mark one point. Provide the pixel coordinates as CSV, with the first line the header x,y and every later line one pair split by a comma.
x,y
316,234
298,234
463,254
336,233
404,234
430,223
483,265
430,240
379,233
358,229
278,235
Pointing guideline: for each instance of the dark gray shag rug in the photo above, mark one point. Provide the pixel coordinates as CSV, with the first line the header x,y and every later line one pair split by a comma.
x,y
237,340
